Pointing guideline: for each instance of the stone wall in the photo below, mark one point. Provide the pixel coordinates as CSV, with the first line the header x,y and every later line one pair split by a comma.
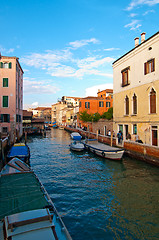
x,y
143,152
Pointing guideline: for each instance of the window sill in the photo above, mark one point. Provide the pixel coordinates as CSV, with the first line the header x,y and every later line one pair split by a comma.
x,y
125,85
152,114
134,114
127,115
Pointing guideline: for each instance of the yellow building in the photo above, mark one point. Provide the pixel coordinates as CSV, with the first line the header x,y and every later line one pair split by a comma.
x,y
136,91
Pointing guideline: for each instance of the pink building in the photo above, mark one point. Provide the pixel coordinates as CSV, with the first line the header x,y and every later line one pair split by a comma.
x,y
11,96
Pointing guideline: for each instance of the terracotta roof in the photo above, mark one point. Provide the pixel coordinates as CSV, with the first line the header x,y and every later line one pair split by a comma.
x,y
93,98
27,114
107,91
42,108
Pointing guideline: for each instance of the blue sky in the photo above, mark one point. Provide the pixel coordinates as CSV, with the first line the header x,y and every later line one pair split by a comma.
x,y
66,47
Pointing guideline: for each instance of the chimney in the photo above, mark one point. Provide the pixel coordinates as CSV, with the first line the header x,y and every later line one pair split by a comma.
x,y
98,90
136,41
143,37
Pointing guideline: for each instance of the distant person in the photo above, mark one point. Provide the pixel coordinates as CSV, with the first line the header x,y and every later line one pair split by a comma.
x,y
128,136
119,136
109,133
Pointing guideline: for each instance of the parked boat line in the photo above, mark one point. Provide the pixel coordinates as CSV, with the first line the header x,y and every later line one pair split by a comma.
x,y
25,206
104,150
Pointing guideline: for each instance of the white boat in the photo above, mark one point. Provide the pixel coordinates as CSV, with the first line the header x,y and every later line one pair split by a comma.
x,y
105,151
77,146
61,128
76,136
26,210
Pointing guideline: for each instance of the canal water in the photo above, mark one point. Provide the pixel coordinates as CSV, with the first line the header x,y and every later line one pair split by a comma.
x,y
97,198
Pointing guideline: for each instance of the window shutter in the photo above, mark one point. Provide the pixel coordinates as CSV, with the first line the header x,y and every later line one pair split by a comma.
x,y
88,104
145,69
5,101
1,65
10,65
153,101
153,65
1,117
8,118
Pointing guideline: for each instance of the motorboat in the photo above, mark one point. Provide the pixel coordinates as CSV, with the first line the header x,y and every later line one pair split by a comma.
x,y
77,146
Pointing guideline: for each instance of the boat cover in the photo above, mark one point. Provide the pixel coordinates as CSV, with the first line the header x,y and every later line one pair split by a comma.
x,y
18,150
76,136
19,193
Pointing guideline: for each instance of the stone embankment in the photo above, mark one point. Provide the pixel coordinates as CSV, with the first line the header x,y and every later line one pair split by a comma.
x,y
143,152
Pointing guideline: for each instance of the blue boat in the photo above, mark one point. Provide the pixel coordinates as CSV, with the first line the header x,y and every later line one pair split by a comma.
x,y
19,150
76,136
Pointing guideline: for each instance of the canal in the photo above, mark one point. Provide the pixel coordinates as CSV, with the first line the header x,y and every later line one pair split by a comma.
x,y
97,198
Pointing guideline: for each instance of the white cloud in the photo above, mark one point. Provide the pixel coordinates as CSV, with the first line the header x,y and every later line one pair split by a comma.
x,y
62,63
6,51
135,3
111,49
92,91
133,15
80,43
133,25
39,87
147,12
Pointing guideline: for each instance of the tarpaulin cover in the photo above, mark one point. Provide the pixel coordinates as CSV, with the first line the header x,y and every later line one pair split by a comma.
x,y
18,151
19,193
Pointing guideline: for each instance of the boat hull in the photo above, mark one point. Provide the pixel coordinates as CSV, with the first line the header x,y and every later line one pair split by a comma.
x,y
112,155
79,147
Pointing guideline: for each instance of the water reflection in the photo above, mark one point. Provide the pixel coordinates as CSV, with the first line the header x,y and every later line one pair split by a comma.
x,y
98,199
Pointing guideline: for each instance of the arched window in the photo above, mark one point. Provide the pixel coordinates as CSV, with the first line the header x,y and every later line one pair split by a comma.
x,y
127,105
152,101
134,104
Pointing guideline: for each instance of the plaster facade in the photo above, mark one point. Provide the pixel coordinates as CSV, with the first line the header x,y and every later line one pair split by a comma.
x,y
135,85
11,96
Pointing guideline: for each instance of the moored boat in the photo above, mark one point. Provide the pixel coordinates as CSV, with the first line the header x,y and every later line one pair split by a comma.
x,y
19,150
105,151
76,136
77,146
26,210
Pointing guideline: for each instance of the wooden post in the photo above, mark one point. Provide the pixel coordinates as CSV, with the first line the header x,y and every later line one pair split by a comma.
x,y
111,140
25,137
97,135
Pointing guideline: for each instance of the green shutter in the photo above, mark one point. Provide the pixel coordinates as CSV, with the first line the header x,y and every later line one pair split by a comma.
x,y
1,65
5,101
8,117
5,82
10,65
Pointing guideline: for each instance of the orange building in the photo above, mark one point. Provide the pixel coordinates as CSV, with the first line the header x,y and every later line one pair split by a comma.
x,y
99,104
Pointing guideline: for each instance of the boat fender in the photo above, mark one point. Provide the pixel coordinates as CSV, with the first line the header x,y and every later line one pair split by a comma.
x,y
103,154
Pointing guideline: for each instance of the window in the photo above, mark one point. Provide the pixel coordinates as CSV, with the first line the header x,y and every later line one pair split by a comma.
x,y
4,129
134,129
5,117
79,104
125,76
87,104
134,104
126,105
107,104
5,65
101,104
5,101
149,66
152,101
5,82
